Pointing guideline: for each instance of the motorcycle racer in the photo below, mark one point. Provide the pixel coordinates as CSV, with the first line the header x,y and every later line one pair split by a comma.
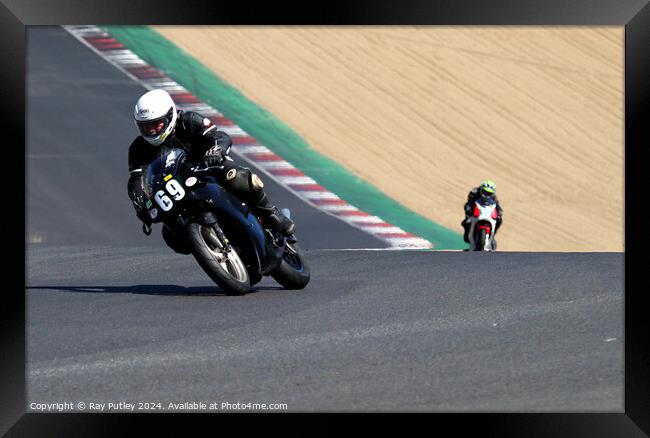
x,y
487,189
162,125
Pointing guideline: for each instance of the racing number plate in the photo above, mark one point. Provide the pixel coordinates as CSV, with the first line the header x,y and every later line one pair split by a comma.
x,y
174,190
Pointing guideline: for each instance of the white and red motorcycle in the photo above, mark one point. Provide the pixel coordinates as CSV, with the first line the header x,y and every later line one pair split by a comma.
x,y
483,222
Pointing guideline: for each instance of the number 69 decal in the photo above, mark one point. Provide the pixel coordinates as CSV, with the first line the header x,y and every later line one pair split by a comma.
x,y
175,190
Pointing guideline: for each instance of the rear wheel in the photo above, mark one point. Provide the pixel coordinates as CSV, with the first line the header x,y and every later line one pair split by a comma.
x,y
224,267
293,272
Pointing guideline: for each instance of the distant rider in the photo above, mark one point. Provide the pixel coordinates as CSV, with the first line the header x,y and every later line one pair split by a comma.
x,y
487,189
161,125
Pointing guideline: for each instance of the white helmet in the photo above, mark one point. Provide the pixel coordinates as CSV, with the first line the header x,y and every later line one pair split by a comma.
x,y
155,116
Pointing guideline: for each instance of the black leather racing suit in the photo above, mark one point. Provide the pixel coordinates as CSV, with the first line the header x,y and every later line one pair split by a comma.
x,y
197,135
472,196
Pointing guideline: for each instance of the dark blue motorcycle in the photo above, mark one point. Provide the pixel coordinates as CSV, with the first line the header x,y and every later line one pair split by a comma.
x,y
219,230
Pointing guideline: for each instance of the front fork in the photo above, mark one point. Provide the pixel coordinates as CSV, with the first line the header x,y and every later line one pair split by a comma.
x,y
222,237
209,219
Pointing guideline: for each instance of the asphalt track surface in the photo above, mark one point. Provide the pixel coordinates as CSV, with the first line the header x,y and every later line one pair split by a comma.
x,y
114,316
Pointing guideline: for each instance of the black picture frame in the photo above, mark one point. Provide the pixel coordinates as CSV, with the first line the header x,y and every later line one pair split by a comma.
x,y
15,15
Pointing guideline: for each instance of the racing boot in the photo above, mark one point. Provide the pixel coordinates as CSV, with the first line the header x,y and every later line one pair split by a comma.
x,y
272,218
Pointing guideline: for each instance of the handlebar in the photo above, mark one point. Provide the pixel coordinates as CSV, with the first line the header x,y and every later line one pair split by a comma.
x,y
198,169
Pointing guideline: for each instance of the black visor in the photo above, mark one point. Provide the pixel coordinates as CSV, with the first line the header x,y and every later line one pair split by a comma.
x,y
155,127
486,194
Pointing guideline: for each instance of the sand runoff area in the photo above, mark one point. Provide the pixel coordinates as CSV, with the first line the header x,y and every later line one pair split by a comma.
x,y
424,113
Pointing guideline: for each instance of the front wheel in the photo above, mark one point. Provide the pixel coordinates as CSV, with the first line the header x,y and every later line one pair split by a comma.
x,y
479,239
224,267
293,272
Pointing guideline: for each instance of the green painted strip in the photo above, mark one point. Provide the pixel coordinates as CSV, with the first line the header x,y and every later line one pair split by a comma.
x,y
274,134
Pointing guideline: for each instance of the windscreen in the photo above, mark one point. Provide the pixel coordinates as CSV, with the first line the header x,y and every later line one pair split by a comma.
x,y
486,201
166,162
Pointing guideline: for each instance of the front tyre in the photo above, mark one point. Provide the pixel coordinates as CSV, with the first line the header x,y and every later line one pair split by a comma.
x,y
224,267
479,239
293,272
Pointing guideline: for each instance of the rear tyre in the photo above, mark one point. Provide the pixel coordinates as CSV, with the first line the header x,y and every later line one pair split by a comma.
x,y
224,268
254,278
293,272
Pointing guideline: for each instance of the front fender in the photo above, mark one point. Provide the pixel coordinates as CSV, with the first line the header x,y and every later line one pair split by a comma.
x,y
237,222
207,218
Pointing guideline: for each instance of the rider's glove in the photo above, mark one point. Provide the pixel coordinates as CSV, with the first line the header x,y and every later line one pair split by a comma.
x,y
214,156
142,213
140,209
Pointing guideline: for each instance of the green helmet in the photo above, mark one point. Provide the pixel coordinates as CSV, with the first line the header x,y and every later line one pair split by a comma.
x,y
488,188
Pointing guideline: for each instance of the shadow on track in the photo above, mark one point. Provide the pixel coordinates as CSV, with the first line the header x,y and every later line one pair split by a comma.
x,y
153,289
